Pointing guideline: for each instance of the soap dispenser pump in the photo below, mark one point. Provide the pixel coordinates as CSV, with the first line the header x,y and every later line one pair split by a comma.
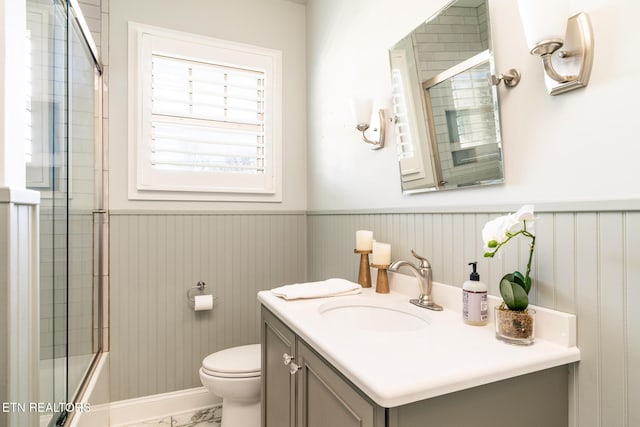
x,y
474,299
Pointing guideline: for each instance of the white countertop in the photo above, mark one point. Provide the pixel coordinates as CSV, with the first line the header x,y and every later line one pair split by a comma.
x,y
396,368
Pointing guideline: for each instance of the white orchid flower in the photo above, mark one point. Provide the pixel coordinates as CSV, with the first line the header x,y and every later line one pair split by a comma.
x,y
518,218
499,230
495,231
525,213
514,287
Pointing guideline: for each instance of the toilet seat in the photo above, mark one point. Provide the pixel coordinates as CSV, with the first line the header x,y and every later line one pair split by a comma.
x,y
235,362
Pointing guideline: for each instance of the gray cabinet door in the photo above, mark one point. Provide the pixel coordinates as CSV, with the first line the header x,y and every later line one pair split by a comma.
x,y
326,399
278,385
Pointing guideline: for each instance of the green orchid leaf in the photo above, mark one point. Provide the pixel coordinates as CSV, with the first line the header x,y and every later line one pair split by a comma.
x,y
518,278
521,299
513,294
527,285
513,278
506,291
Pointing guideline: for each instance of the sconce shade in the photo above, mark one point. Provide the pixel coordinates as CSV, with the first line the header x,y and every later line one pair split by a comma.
x,y
371,126
543,20
361,109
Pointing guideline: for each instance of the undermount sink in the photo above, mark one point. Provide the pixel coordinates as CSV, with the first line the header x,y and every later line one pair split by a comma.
x,y
373,316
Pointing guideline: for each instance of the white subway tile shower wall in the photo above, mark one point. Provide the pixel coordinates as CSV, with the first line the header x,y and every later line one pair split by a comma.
x,y
458,34
54,256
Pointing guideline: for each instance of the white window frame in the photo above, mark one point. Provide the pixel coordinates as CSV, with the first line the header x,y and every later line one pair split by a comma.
x,y
144,183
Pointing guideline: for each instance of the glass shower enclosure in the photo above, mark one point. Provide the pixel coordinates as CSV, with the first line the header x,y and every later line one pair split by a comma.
x,y
64,163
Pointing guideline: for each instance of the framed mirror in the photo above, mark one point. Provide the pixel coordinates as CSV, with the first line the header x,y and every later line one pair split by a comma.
x,y
445,107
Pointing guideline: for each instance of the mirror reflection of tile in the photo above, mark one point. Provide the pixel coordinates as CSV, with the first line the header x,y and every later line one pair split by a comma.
x,y
459,141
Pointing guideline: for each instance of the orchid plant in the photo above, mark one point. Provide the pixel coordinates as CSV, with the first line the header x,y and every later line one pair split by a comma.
x,y
514,287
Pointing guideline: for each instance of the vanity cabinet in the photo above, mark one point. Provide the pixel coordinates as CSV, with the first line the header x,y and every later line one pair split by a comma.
x,y
300,389
278,384
304,390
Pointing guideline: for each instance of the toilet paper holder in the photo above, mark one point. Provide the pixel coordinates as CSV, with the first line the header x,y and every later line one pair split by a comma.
x,y
190,292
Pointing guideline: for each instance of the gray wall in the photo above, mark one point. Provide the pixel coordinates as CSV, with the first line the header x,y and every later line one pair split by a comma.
x,y
273,24
586,263
19,300
347,56
157,341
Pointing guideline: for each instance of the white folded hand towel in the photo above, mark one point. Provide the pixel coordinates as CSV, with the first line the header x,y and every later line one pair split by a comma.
x,y
325,288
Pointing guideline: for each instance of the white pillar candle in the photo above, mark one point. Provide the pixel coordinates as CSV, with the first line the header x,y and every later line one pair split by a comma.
x,y
364,240
381,253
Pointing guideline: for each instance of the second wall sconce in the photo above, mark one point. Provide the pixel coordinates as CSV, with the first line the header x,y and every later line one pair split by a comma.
x,y
547,31
372,126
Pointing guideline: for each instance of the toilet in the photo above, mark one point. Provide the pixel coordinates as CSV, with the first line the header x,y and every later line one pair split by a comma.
x,y
234,375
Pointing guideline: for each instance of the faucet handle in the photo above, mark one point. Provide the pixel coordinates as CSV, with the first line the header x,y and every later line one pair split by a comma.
x,y
424,263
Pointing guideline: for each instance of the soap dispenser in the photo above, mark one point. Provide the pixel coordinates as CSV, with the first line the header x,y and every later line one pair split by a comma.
x,y
474,300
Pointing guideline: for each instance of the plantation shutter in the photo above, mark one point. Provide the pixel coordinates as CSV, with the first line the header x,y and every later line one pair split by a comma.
x,y
206,117
405,146
408,149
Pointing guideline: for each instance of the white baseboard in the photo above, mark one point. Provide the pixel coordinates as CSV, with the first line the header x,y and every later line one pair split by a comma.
x,y
131,411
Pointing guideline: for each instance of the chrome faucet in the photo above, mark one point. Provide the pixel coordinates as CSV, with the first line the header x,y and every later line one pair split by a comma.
x,y
423,274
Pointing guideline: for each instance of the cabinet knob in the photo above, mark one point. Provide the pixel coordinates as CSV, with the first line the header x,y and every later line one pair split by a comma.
x,y
287,360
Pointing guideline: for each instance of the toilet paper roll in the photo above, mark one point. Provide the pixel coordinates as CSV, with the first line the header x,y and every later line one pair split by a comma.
x,y
203,302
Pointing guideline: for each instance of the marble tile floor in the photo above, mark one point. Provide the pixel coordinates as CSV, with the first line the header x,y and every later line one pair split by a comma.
x,y
209,417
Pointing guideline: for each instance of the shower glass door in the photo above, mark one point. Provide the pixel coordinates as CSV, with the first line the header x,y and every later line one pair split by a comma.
x,y
64,156
82,198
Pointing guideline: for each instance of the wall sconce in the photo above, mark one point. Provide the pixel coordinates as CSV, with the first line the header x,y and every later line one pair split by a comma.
x,y
366,121
547,31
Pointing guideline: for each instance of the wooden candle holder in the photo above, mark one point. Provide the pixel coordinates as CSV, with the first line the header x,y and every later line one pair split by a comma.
x,y
364,274
382,280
